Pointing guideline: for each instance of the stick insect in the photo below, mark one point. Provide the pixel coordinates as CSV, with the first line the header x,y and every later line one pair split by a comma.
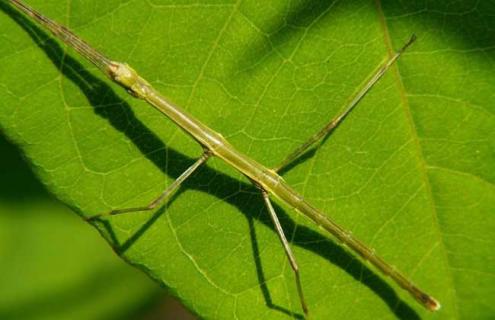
x,y
268,181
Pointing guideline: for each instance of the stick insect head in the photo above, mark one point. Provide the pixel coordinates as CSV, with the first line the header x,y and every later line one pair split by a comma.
x,y
122,74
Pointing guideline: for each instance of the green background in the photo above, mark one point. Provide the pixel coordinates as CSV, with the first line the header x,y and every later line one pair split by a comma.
x,y
410,171
53,266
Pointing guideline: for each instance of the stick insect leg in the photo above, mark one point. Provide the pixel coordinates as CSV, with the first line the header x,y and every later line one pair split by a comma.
x,y
288,251
329,127
165,194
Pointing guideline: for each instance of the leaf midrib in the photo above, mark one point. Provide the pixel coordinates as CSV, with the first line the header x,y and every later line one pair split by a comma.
x,y
419,152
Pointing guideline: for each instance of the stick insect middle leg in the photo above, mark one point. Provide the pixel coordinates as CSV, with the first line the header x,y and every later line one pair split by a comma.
x,y
329,127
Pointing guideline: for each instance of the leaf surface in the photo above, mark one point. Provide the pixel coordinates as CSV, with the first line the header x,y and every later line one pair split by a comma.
x,y
410,171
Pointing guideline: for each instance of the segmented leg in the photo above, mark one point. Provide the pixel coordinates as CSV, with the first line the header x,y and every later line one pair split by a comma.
x,y
288,251
337,120
165,194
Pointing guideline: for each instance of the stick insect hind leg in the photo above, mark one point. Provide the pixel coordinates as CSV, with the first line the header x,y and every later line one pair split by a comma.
x,y
165,194
329,127
285,243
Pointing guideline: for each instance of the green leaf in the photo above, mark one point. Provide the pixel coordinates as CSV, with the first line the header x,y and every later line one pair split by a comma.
x,y
410,171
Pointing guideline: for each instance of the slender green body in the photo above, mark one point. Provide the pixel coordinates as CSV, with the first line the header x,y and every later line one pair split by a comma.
x,y
268,179
218,146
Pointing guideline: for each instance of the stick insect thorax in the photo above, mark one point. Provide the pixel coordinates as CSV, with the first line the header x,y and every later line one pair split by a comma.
x,y
215,144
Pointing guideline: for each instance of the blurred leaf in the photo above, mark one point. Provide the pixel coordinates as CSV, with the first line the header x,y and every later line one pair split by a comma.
x,y
410,172
53,266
